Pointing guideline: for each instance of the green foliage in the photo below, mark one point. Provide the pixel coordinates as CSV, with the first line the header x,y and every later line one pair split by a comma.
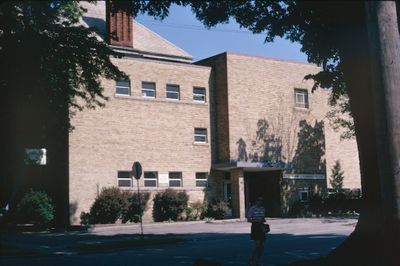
x,y
35,207
134,210
50,60
217,209
196,211
337,177
109,206
169,205
113,204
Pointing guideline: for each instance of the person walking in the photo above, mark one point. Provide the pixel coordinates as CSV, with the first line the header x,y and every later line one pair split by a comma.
x,y
256,216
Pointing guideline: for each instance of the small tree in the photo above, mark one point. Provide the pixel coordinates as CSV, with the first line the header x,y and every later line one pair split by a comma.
x,y
337,177
35,207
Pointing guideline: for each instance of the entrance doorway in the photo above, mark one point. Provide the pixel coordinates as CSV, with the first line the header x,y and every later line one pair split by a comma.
x,y
228,196
266,185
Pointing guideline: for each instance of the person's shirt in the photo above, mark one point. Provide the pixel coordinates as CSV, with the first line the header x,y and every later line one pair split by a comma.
x,y
256,214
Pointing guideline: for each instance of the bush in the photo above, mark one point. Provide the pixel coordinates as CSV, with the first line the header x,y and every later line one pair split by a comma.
x,y
217,209
109,206
196,211
169,205
36,208
133,212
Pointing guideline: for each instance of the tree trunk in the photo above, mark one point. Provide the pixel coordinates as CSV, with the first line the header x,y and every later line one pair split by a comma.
x,y
384,44
362,247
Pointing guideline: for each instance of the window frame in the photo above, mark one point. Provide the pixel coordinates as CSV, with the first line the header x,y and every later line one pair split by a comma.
x,y
304,93
178,92
205,179
200,135
175,179
198,94
149,89
123,87
124,176
150,179
307,193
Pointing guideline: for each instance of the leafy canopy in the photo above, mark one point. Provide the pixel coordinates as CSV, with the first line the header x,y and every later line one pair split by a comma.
x,y
48,58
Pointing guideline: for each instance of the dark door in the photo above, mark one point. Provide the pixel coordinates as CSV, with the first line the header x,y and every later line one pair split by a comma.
x,y
266,185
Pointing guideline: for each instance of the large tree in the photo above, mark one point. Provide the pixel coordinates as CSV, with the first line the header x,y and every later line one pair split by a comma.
x,y
336,36
50,67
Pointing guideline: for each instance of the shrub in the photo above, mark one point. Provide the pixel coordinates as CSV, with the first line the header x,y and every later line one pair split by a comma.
x,y
217,209
133,212
109,206
169,205
35,207
196,211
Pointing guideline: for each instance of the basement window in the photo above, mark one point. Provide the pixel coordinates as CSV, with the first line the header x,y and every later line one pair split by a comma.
x,y
175,179
124,179
201,179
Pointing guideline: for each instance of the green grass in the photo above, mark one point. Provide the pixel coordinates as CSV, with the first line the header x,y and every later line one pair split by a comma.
x,y
120,244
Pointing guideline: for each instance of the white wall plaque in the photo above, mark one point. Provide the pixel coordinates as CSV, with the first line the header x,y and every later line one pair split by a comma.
x,y
163,179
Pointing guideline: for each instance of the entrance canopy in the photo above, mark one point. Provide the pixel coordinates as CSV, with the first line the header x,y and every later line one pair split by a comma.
x,y
249,166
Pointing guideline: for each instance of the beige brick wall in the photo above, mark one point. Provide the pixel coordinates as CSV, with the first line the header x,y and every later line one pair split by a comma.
x,y
159,133
260,88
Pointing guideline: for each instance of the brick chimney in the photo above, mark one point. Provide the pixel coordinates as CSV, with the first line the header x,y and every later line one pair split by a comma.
x,y
119,23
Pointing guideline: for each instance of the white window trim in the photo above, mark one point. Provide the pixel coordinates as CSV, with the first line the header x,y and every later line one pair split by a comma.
x,y
124,178
202,179
178,93
304,190
150,90
301,104
175,179
156,179
200,135
123,87
201,95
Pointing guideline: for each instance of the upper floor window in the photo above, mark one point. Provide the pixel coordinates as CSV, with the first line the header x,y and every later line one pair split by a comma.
x,y
173,92
201,179
123,87
199,94
200,135
148,89
150,179
124,179
175,179
301,98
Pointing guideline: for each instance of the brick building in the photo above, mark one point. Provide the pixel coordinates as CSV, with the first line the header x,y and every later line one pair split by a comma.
x,y
229,127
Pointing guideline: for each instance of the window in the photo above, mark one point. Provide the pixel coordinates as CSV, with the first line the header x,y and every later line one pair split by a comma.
x,y
148,89
175,179
201,179
199,94
304,194
200,135
124,179
150,179
173,92
301,98
123,87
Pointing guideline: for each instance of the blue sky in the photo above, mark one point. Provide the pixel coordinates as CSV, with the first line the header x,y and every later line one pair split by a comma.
x,y
182,29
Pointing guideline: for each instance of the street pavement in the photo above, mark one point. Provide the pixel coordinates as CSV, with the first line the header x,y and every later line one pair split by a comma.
x,y
226,242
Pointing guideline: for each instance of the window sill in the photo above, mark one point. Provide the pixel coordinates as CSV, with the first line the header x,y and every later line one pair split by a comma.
x,y
200,143
301,109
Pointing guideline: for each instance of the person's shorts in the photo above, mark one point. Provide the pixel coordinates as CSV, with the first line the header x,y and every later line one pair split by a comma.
x,y
257,231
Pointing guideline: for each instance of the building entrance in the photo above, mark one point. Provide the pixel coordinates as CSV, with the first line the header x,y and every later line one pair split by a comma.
x,y
266,185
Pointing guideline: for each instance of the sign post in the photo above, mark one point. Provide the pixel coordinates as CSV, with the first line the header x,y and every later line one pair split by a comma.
x,y
137,173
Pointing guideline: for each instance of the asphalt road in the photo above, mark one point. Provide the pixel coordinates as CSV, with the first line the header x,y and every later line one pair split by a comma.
x,y
225,242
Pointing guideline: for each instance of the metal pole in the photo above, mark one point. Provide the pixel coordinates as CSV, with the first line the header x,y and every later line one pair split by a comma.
x,y
140,210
